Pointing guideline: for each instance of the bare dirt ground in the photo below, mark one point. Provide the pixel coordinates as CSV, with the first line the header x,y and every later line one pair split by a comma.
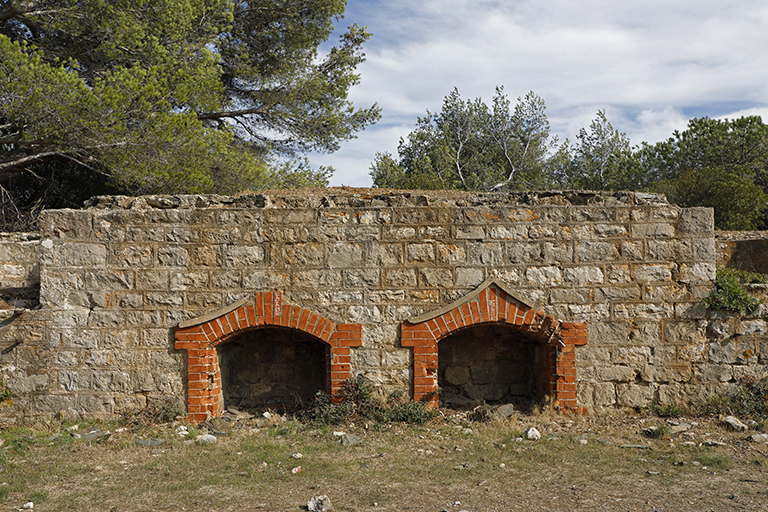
x,y
605,463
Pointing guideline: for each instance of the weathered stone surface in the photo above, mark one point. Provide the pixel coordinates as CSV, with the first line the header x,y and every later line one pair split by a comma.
x,y
631,395
583,276
544,276
596,251
115,279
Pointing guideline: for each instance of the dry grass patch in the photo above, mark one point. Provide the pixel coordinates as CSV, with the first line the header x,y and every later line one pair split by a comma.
x,y
581,463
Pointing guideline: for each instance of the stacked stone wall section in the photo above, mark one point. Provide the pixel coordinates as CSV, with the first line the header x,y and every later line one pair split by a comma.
x,y
115,280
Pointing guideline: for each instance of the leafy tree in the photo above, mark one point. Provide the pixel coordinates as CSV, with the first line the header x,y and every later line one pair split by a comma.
x,y
472,146
717,163
601,159
173,95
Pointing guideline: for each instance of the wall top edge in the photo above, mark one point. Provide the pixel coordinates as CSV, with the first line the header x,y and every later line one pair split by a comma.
x,y
344,197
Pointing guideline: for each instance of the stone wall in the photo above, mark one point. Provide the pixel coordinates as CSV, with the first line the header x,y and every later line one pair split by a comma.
x,y
116,278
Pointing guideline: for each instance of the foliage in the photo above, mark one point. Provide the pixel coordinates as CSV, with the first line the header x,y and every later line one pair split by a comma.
x,y
669,410
729,294
6,397
173,96
600,159
357,399
750,399
156,412
739,204
717,163
469,145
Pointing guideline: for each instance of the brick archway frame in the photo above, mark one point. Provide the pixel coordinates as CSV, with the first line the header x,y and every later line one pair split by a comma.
x,y
200,336
492,303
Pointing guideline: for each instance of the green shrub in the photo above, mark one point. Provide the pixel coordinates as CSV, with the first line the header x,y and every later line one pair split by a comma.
x,y
357,399
729,293
672,410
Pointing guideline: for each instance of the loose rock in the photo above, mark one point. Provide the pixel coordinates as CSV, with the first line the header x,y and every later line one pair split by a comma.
x,y
206,439
532,434
319,504
681,427
759,438
350,439
95,434
734,423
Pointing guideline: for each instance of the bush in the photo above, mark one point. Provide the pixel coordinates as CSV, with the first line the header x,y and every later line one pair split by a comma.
x,y
729,293
357,399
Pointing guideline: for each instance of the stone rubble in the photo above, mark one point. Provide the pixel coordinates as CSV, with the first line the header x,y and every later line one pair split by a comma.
x,y
532,434
206,439
735,424
319,504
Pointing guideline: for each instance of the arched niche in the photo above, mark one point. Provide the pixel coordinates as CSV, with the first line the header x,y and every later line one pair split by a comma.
x,y
203,336
489,363
492,303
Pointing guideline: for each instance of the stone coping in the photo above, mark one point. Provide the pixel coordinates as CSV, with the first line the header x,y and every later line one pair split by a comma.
x,y
345,197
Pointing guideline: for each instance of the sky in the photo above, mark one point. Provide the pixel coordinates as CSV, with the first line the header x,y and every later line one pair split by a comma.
x,y
651,65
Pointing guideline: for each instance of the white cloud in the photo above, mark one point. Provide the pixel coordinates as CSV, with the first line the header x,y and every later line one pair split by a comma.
x,y
650,64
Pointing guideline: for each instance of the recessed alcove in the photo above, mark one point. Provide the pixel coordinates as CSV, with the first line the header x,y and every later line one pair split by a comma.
x,y
488,363
274,368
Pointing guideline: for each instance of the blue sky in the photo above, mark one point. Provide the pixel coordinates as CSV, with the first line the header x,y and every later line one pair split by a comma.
x,y
650,64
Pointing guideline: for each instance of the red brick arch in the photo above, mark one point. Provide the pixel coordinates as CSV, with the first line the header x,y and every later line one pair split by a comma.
x,y
491,303
200,337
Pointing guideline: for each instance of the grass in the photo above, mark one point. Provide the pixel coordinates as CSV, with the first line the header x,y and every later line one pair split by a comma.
x,y
397,466
749,400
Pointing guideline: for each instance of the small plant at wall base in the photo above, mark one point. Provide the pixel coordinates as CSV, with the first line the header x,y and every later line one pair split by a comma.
x,y
750,400
730,294
6,397
358,399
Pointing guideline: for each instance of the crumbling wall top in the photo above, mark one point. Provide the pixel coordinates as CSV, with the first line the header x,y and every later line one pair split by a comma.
x,y
342,197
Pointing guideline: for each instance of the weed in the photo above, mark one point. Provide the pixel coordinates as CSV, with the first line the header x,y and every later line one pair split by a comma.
x,y
156,412
6,397
729,293
358,399
715,461
671,410
656,432
750,399
37,497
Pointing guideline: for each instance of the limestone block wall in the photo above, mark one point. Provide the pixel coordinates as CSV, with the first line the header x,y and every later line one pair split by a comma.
x,y
118,277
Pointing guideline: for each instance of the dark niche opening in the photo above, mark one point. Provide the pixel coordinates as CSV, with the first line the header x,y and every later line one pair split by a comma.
x,y
489,363
272,368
